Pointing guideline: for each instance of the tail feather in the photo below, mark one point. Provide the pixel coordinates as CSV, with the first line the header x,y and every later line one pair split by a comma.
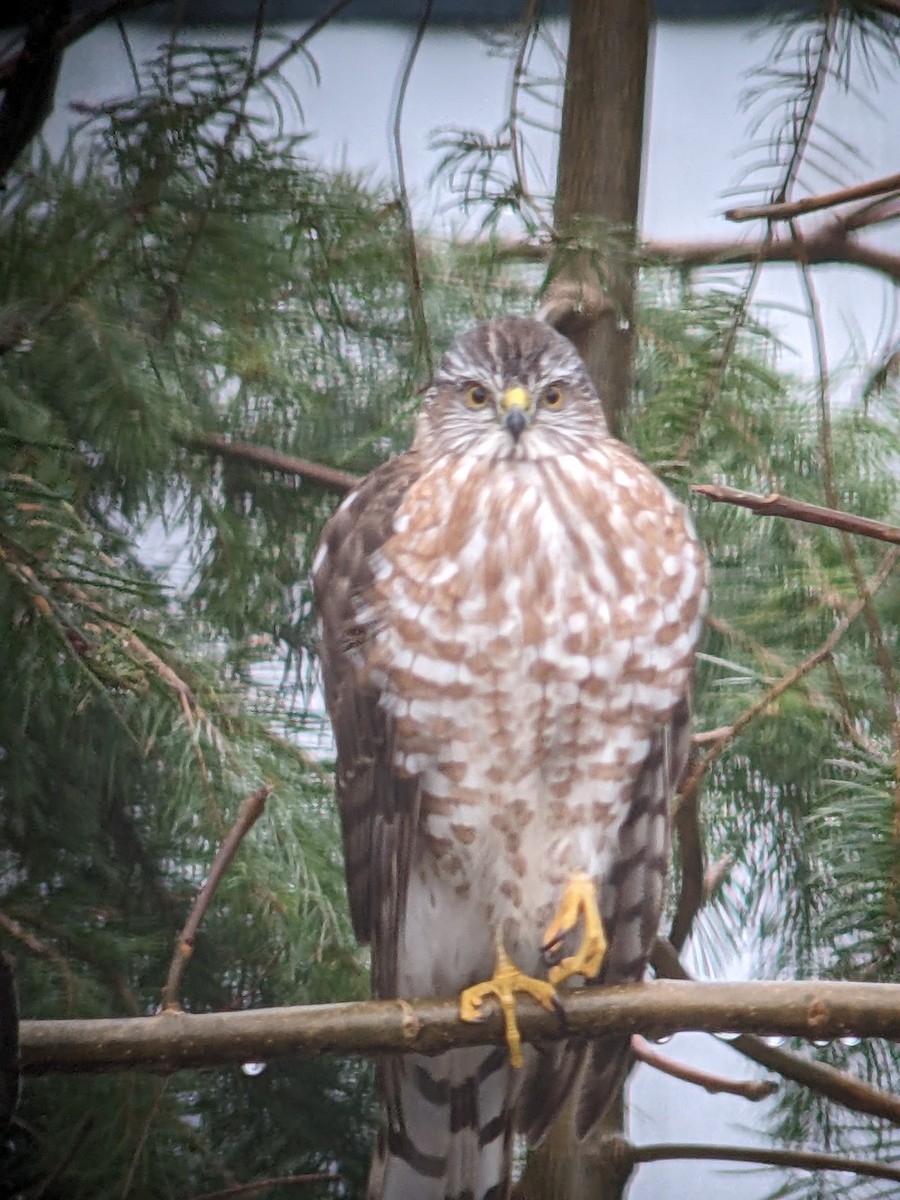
x,y
448,1132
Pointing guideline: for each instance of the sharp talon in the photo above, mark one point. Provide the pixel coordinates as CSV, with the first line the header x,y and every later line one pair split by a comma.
x,y
506,981
577,904
552,952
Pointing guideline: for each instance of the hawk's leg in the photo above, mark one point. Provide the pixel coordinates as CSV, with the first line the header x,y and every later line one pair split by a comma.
x,y
506,981
579,902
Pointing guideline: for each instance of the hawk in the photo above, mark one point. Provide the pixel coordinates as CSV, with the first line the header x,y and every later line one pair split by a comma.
x,y
509,613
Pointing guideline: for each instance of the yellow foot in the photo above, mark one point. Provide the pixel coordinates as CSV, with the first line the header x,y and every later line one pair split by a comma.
x,y
507,980
579,901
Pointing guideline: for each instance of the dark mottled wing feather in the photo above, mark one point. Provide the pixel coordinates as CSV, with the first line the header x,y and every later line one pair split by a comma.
x,y
631,903
378,808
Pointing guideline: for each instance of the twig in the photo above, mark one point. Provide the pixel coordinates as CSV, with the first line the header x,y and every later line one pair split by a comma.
x,y
260,1185
749,1089
797,208
173,1040
804,1160
775,505
162,1086
249,813
9,1042
416,300
691,782
826,1081
18,931
267,459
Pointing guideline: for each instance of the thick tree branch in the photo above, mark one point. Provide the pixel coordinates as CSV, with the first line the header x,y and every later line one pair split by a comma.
x,y
175,1039
826,1081
832,242
775,505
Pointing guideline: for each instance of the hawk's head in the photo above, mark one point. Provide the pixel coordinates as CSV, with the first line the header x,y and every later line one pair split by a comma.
x,y
510,388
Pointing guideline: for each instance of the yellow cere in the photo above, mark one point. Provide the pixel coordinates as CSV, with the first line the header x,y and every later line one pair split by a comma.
x,y
515,397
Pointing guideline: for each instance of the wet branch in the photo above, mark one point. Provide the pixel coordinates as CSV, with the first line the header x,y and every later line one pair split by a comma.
x,y
826,1081
174,1039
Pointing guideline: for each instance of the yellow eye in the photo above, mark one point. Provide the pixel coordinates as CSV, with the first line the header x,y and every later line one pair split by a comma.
x,y
476,396
552,397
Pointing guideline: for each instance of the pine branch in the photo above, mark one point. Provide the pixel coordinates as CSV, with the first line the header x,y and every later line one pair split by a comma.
x,y
775,505
691,783
173,1040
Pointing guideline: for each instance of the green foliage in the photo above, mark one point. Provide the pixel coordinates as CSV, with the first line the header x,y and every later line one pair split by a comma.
x,y
181,274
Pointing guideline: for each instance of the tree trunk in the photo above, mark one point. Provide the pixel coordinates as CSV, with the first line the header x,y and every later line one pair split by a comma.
x,y
591,300
563,1169
591,296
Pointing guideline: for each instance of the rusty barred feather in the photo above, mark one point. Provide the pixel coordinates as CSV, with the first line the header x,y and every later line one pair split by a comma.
x,y
509,616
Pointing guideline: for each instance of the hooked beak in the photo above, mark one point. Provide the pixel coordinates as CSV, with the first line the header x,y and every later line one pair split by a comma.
x,y
516,406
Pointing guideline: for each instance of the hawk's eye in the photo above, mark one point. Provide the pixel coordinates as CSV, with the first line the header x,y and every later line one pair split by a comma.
x,y
476,396
552,397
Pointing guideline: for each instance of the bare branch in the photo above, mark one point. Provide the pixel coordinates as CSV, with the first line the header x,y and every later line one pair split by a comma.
x,y
826,1081
248,814
830,243
264,1185
775,505
174,1039
749,1089
797,208
804,1160
267,459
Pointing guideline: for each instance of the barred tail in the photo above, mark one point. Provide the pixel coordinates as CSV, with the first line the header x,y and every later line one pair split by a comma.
x,y
448,1131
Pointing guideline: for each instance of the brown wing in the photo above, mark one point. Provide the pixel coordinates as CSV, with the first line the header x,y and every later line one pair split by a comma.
x,y
378,808
631,901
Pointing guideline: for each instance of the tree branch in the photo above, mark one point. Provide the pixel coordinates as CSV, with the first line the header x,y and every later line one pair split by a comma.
x,y
797,208
265,1185
267,459
775,505
248,814
749,1089
826,1081
829,243
804,1160
173,1040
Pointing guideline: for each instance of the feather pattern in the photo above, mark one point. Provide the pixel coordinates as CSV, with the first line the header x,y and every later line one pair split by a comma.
x,y
509,615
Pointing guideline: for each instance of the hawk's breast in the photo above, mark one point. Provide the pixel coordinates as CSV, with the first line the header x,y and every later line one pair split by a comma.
x,y
532,623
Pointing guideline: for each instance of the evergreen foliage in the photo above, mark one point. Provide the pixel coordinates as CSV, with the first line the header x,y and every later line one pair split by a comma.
x,y
181,271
